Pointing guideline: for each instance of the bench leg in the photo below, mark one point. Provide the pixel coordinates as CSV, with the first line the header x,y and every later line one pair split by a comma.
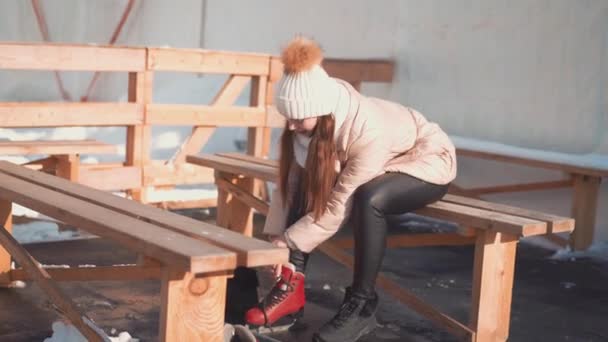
x,y
492,286
232,213
68,166
584,208
192,307
6,220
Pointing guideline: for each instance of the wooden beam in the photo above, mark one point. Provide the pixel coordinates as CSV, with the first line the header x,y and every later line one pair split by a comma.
x,y
275,70
207,61
201,134
47,164
240,214
157,174
189,204
202,115
68,166
101,166
360,70
139,136
255,135
62,114
257,100
584,210
243,195
56,147
460,191
43,279
521,187
407,298
34,56
251,159
105,273
415,240
169,247
6,221
273,118
108,179
492,285
192,308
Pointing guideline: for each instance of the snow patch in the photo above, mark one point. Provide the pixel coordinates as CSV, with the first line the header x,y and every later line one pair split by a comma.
x,y
89,160
63,332
14,135
590,160
167,140
598,251
15,159
69,133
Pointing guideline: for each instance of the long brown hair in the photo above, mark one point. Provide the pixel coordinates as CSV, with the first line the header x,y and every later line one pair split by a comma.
x,y
319,174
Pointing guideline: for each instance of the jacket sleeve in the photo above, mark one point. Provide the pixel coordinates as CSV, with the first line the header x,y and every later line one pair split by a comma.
x,y
368,155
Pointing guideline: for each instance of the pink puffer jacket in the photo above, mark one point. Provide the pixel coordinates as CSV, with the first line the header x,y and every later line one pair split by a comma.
x,y
377,136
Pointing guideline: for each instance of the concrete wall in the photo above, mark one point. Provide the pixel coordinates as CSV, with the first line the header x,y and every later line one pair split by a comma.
x,y
528,73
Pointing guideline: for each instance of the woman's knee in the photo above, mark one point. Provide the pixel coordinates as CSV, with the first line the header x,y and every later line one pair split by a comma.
x,y
367,196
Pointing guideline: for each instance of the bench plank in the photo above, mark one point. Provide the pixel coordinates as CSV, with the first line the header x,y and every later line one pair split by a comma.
x,y
483,219
251,159
555,224
234,166
56,147
169,247
250,252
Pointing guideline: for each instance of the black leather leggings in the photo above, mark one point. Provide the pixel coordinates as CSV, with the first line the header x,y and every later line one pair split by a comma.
x,y
388,194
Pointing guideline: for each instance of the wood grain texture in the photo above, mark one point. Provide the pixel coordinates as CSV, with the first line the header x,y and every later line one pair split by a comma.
x,y
192,308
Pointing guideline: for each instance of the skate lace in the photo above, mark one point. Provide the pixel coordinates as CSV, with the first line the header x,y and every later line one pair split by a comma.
x,y
346,310
277,294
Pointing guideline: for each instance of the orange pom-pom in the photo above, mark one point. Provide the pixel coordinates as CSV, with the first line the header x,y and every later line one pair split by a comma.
x,y
301,54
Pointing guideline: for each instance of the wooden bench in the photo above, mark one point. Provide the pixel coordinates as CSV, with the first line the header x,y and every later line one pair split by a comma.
x,y
64,155
192,259
584,172
494,228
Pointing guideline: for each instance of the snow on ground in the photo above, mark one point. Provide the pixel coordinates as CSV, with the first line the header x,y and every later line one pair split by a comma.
x,y
597,251
63,332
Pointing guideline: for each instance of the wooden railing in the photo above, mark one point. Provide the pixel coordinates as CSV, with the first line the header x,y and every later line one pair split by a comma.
x,y
139,171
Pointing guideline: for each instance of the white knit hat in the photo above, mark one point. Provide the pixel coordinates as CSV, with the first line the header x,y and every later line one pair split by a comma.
x,y
305,90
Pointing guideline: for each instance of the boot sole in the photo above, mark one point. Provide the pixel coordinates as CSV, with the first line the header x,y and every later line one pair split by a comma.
x,y
281,324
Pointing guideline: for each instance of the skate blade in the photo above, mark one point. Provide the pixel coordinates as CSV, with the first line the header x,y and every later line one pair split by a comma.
x,y
281,325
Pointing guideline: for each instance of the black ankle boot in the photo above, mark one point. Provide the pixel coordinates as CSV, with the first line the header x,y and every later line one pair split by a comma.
x,y
356,317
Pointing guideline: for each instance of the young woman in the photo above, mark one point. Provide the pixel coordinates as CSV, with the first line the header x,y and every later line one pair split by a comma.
x,y
346,159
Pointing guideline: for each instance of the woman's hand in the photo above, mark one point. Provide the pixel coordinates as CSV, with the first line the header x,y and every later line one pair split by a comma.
x,y
279,241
